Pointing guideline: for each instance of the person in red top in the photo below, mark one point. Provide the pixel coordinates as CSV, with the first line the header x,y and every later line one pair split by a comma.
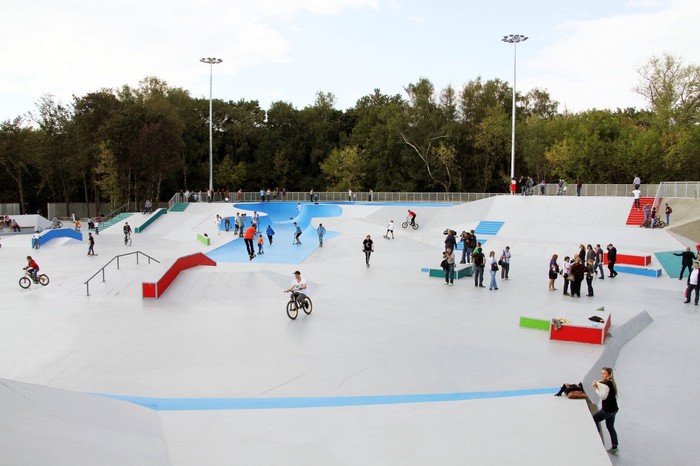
x,y
32,267
248,237
412,214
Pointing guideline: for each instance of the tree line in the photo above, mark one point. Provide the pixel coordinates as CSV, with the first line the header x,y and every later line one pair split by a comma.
x,y
149,141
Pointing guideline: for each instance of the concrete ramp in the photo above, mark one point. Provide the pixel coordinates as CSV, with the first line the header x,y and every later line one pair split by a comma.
x,y
42,425
48,235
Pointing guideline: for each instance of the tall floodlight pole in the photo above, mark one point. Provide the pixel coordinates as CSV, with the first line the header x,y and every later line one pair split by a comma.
x,y
211,62
514,39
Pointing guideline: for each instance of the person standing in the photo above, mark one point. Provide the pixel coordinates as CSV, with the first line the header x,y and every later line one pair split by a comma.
x,y
577,273
270,233
590,273
217,221
248,237
390,230
553,271
513,186
606,389
612,258
505,263
321,231
236,224
637,182
579,185
493,267
687,258
297,234
646,210
694,283
472,245
448,258
542,188
35,240
668,211
91,245
479,259
599,260
368,248
450,240
227,224
369,196
565,271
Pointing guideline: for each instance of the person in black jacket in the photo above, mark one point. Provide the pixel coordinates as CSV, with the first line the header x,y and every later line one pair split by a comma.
x,y
612,258
606,389
687,258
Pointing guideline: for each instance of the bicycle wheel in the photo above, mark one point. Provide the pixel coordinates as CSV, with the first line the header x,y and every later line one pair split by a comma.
x,y
415,226
44,279
292,309
404,224
308,306
25,283
660,224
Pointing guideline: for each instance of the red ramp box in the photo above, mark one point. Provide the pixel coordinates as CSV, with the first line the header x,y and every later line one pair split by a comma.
x,y
631,259
156,288
573,324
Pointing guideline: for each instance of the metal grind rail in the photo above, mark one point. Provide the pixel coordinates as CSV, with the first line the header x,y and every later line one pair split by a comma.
x,y
116,258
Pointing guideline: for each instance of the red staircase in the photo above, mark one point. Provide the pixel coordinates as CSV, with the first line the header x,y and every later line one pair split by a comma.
x,y
636,217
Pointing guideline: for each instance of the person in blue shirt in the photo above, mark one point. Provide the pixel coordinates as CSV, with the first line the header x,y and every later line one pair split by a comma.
x,y
297,233
321,231
270,233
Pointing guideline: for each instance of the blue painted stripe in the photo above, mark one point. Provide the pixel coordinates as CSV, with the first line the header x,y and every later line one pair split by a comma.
x,y
218,404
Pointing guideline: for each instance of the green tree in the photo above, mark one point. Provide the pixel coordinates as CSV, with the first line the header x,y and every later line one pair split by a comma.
x,y
344,169
19,146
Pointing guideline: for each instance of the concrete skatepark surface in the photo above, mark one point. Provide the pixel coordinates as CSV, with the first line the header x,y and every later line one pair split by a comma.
x,y
395,367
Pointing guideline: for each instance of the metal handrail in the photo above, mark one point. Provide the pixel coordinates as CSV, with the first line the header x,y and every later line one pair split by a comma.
x,y
87,282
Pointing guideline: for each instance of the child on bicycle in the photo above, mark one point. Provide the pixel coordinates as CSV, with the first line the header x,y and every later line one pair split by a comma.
x,y
32,268
127,231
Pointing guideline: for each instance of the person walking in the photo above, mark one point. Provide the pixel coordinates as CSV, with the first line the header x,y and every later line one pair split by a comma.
x,y
367,248
448,259
606,389
479,259
321,231
493,268
612,258
505,263
553,271
687,258
270,233
390,230
667,211
91,245
694,283
637,198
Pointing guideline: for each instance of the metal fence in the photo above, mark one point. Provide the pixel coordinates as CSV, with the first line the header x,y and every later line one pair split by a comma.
x,y
9,209
666,189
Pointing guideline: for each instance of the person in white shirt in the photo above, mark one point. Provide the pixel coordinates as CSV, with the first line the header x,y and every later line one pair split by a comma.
x,y
299,288
390,230
694,283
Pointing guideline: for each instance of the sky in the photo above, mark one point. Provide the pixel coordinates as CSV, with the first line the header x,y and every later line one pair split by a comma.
x,y
585,54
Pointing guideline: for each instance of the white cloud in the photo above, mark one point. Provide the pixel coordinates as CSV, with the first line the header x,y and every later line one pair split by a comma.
x,y
595,65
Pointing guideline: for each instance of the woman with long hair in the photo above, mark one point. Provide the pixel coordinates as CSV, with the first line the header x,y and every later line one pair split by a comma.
x,y
606,389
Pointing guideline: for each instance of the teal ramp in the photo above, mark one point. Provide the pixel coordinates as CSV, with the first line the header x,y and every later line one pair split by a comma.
x,y
48,235
670,263
486,227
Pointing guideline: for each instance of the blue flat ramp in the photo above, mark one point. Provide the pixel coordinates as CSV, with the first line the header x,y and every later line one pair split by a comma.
x,y
486,227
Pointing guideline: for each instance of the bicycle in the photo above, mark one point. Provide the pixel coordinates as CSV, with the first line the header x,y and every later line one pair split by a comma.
x,y
293,305
127,239
408,222
658,223
26,281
